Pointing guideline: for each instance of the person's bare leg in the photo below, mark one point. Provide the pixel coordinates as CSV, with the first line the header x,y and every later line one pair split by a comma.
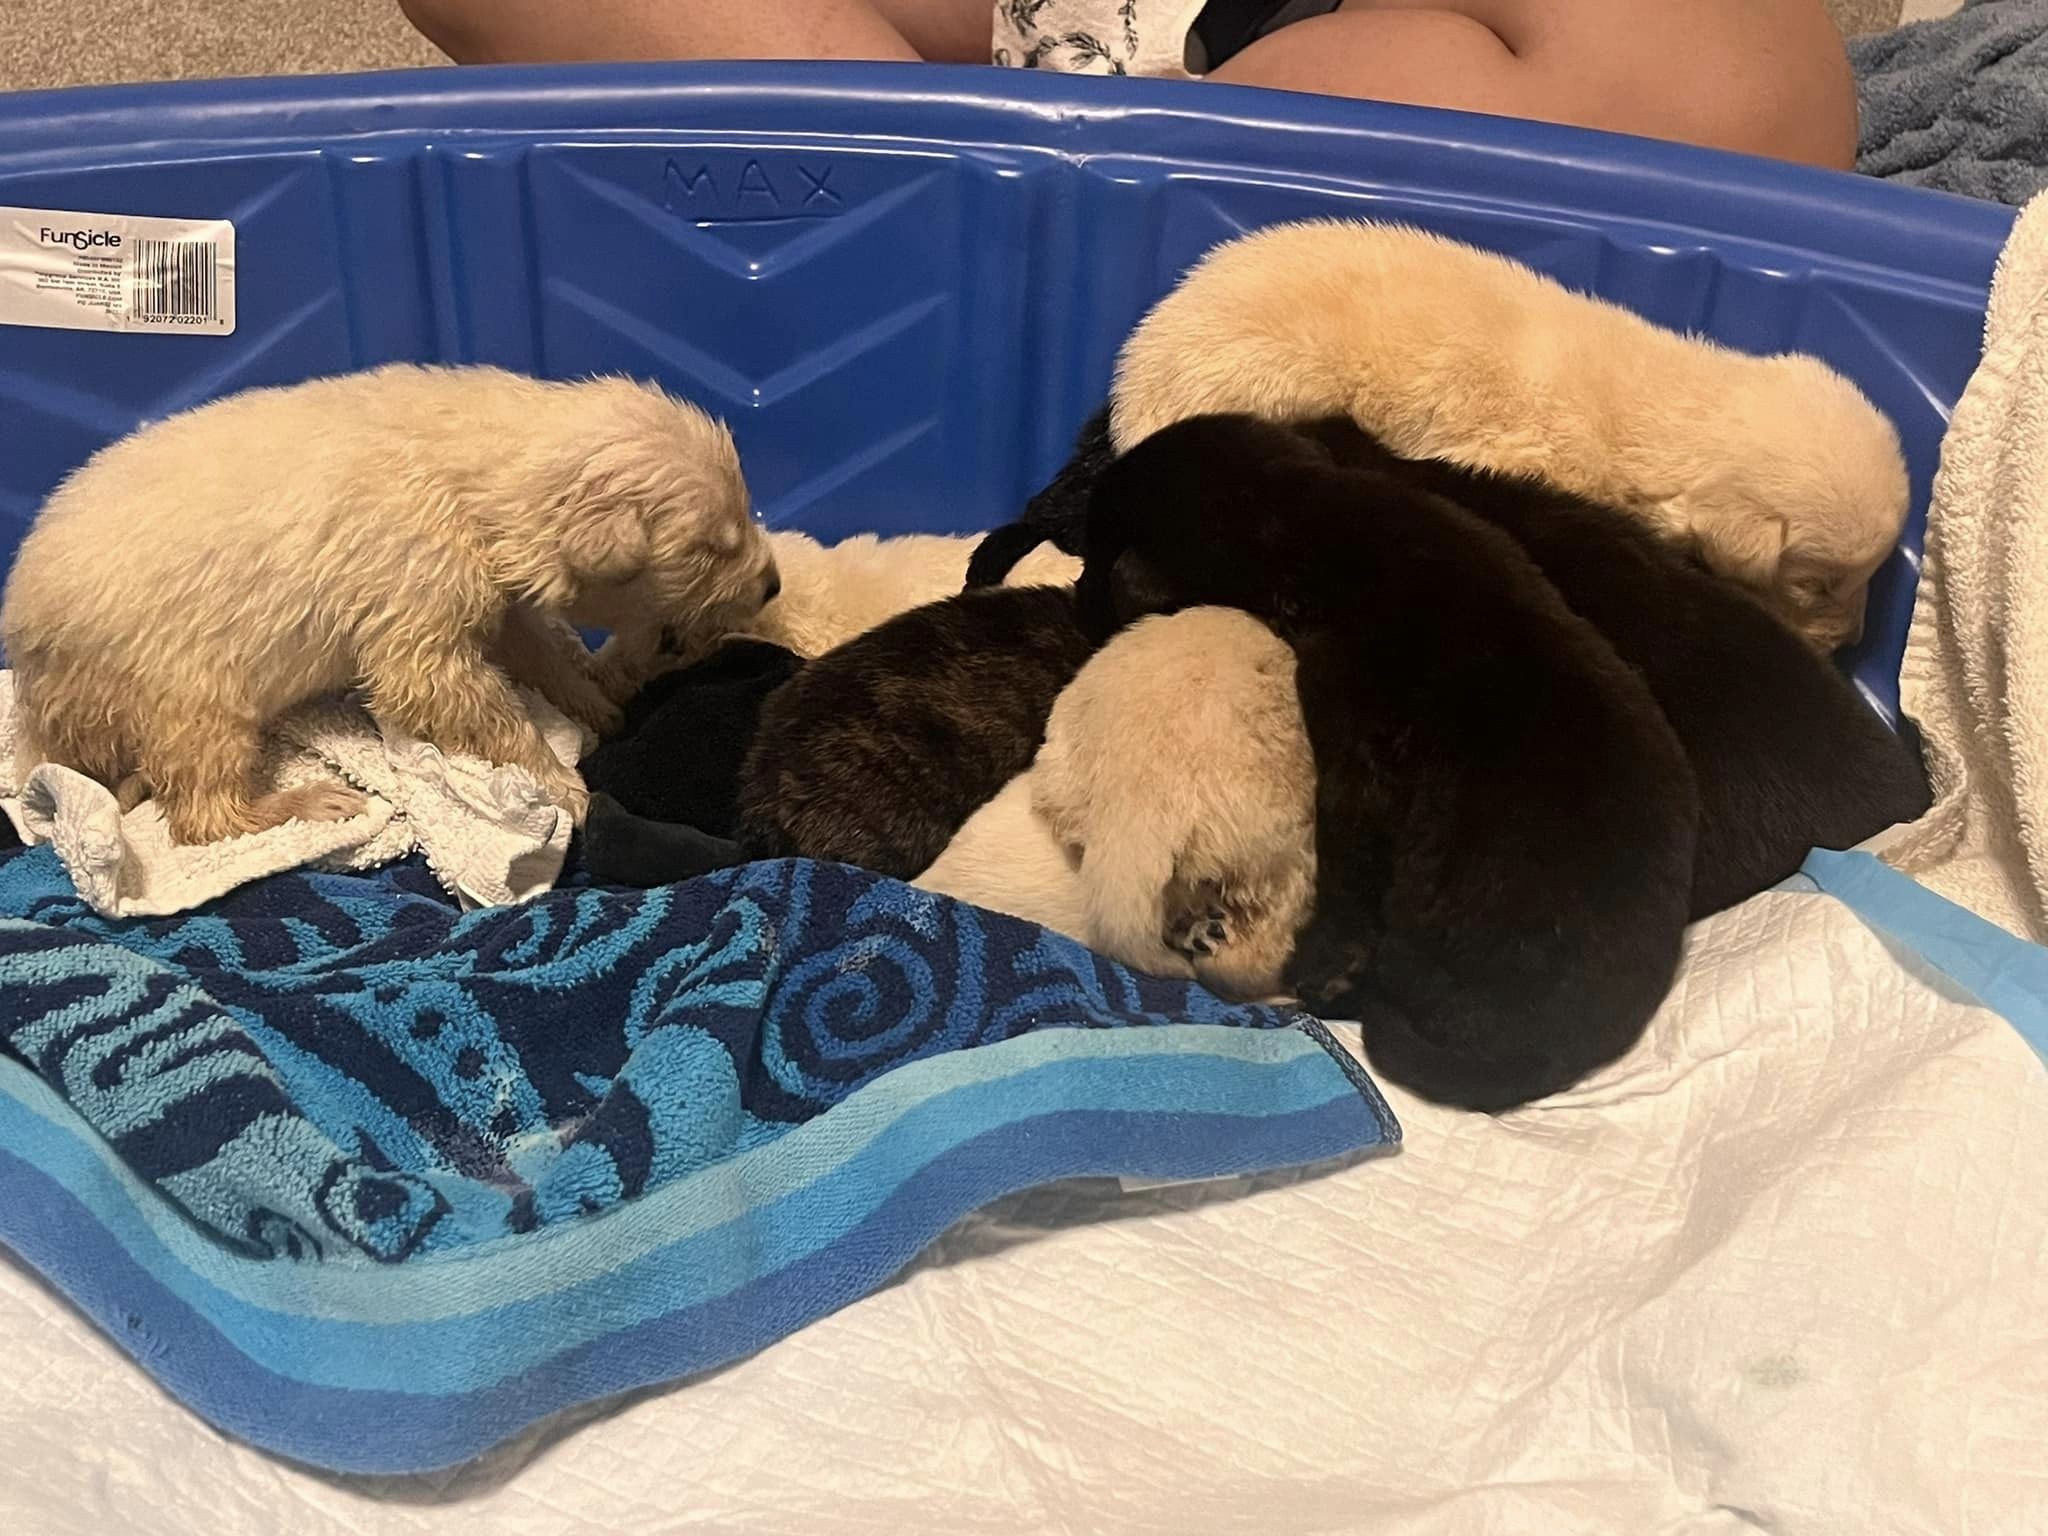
x,y
550,31
1769,77
943,31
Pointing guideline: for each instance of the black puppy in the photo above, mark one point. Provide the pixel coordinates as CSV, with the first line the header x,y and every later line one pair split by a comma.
x,y
877,752
1059,512
1787,757
1504,820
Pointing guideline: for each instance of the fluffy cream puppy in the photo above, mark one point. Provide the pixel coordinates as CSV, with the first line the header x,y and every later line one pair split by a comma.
x,y
1777,469
1005,858
1168,820
832,592
413,532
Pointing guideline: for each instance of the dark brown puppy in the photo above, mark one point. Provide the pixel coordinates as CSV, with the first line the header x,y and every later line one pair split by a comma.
x,y
877,752
874,754
1504,820
1787,756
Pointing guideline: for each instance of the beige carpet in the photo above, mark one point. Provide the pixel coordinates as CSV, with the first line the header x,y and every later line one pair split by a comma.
x,y
61,42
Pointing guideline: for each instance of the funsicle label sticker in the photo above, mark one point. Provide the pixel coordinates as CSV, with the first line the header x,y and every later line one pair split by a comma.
x,y
110,272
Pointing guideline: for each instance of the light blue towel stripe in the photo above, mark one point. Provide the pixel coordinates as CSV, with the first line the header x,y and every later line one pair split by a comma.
x,y
529,1266
2006,974
397,1432
481,1339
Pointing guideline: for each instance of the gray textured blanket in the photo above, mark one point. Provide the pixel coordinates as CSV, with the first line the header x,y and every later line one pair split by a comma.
x,y
1960,103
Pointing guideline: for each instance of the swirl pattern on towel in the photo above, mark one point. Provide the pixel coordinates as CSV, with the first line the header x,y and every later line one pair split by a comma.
x,y
345,1068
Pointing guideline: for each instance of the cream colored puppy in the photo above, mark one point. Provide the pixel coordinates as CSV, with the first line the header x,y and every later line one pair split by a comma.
x,y
1006,858
832,592
399,531
1169,818
1777,469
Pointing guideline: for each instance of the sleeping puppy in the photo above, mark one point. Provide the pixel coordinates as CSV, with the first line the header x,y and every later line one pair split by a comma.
x,y
1169,819
1176,772
1787,757
413,532
877,752
1504,820
1006,858
1776,470
832,592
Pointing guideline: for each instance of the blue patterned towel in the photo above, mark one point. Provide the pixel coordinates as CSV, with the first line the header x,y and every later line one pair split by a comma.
x,y
374,1184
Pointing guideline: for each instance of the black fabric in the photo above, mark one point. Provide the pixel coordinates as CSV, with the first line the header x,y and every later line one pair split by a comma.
x,y
677,758
1228,27
619,848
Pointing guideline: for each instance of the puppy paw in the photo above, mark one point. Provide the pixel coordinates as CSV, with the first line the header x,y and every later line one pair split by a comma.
x,y
562,785
1197,932
574,799
332,802
326,800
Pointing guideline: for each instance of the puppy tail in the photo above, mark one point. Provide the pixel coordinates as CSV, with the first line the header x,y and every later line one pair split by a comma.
x,y
1059,512
997,555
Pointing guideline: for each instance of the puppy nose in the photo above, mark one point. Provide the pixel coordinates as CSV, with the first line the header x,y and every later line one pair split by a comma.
x,y
773,589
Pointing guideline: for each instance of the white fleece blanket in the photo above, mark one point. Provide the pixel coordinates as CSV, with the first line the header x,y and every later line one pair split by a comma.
x,y
1976,669
488,831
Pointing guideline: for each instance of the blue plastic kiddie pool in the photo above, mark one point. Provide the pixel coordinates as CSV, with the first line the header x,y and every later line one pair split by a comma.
x,y
904,285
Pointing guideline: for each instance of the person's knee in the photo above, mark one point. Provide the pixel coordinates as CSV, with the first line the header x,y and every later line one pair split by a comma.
x,y
1582,64
1809,104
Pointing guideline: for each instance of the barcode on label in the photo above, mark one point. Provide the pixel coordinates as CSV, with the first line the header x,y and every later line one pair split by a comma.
x,y
175,280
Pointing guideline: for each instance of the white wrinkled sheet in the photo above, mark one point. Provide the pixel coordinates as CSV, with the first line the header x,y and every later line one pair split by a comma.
x,y
1784,1268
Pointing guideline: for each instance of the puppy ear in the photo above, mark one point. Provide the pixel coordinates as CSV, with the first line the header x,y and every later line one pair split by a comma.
x,y
607,546
1740,543
1341,440
1749,549
597,547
